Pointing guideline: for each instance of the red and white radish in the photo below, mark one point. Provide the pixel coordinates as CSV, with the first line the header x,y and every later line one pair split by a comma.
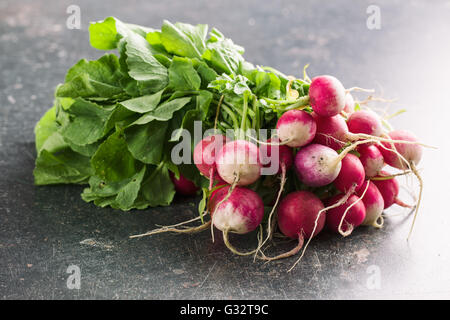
x,y
300,216
402,156
351,175
412,152
183,185
374,204
331,131
371,159
349,107
205,155
347,216
276,156
389,189
365,122
317,165
297,214
240,210
327,96
296,128
238,163
279,159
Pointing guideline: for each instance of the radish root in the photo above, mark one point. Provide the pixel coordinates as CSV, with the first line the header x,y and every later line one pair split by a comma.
x,y
270,226
288,254
171,229
234,250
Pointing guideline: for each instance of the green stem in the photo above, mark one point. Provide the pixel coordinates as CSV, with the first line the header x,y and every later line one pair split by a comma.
x,y
231,115
244,118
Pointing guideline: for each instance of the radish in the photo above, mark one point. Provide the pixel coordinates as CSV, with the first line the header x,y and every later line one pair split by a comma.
x,y
371,159
297,213
317,165
238,163
365,122
389,189
300,216
296,128
331,131
351,175
281,157
411,152
349,107
402,156
183,185
374,204
239,210
205,155
327,96
346,216
276,156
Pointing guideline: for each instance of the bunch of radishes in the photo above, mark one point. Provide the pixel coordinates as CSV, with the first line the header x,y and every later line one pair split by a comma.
x,y
334,145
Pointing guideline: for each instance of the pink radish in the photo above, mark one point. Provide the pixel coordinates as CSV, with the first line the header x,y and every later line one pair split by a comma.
x,y
365,122
371,159
374,204
238,163
331,131
405,155
349,107
354,216
296,128
410,151
183,185
327,96
297,214
317,165
205,155
280,158
300,216
389,189
351,175
277,156
240,210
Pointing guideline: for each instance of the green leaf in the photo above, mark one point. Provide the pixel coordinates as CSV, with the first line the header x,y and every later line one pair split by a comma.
x,y
65,167
103,34
184,39
113,161
106,34
222,54
97,78
206,73
203,101
45,127
128,194
87,122
146,142
143,66
143,104
164,111
182,75
157,187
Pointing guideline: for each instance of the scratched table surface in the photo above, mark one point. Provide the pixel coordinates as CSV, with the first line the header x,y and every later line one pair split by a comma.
x,y
45,230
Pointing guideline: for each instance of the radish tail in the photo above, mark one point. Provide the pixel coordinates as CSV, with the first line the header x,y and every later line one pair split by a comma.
x,y
414,170
171,229
270,227
288,254
234,250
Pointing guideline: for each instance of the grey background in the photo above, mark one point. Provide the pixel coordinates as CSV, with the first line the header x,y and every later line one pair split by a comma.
x,y
41,227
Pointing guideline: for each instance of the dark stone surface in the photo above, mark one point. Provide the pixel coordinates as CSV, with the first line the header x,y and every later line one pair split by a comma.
x,y
41,227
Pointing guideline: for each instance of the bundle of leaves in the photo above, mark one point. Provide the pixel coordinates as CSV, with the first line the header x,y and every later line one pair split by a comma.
x,y
115,120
